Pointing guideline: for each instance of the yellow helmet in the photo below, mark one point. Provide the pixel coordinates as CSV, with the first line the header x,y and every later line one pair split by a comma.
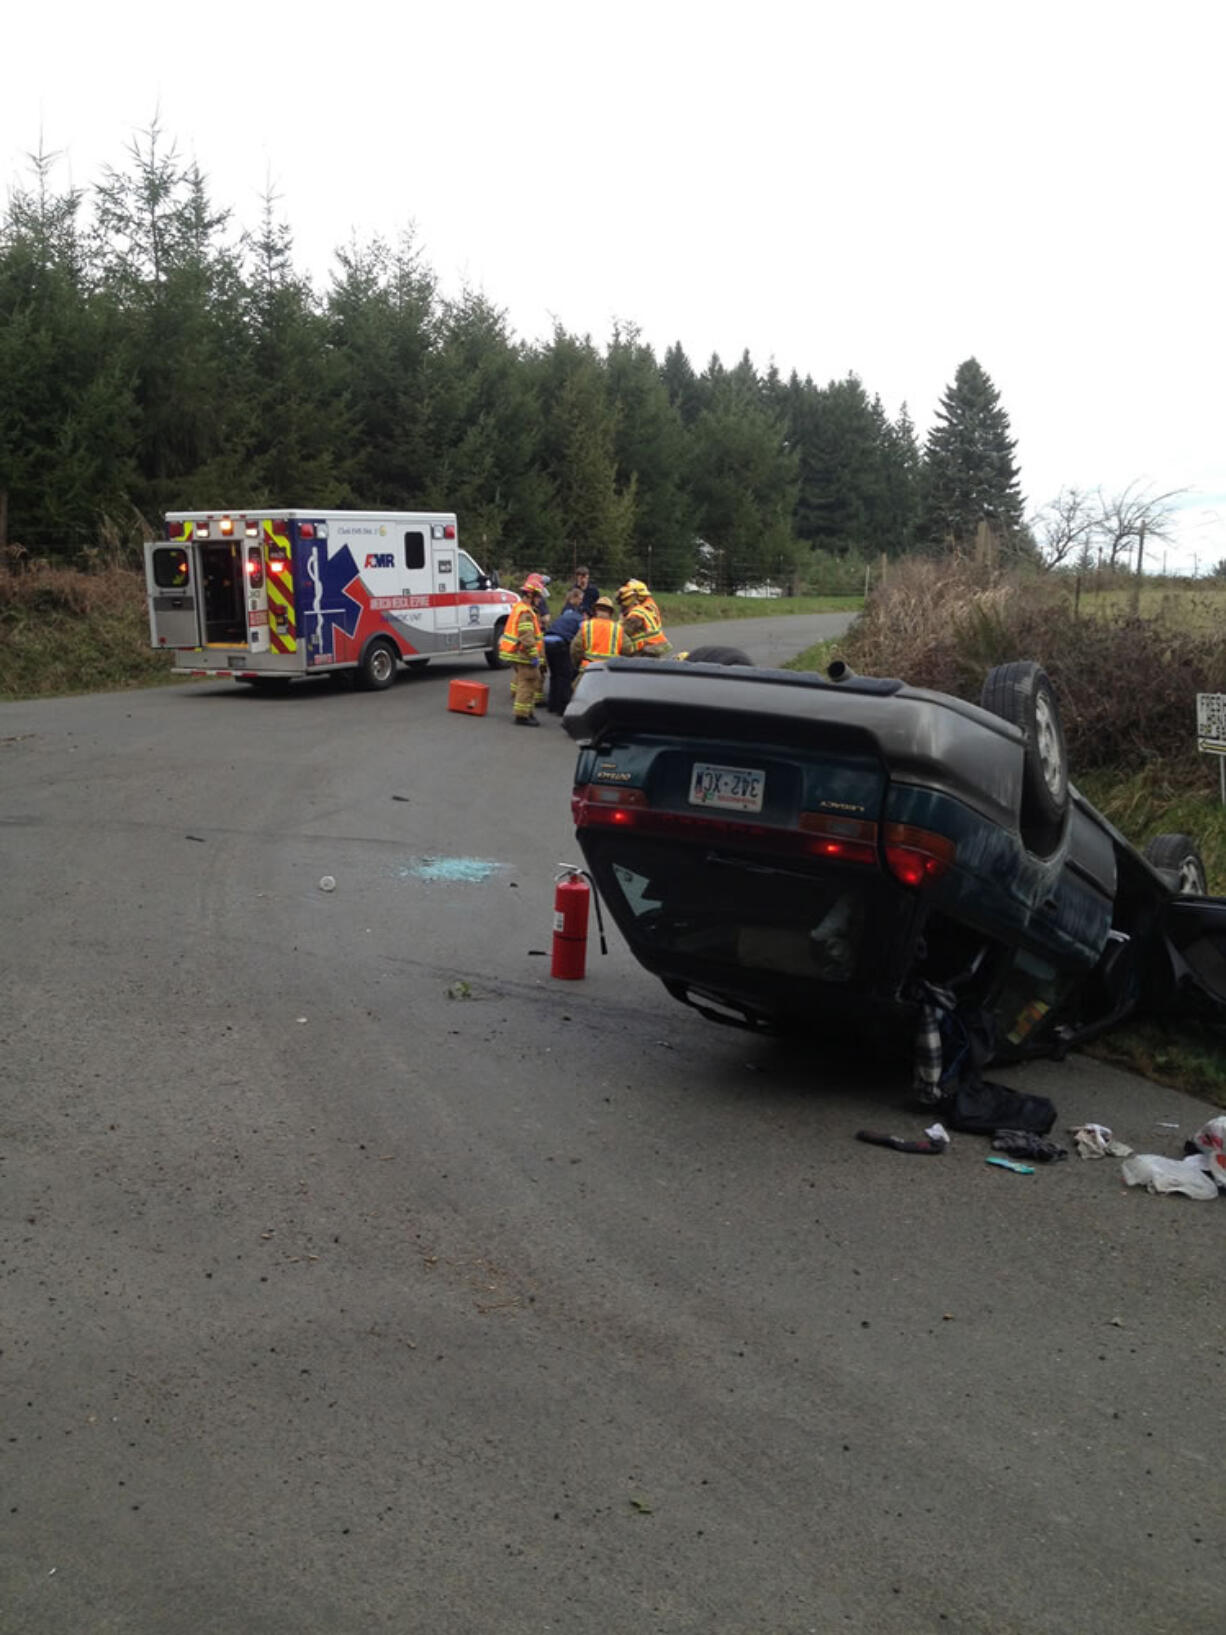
x,y
632,591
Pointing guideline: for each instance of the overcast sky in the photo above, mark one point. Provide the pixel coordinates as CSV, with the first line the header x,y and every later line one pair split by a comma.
x,y
879,188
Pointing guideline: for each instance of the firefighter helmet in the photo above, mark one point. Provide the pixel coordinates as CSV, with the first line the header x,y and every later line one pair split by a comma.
x,y
605,602
534,582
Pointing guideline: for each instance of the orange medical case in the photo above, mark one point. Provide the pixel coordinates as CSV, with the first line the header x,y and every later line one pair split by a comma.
x,y
468,697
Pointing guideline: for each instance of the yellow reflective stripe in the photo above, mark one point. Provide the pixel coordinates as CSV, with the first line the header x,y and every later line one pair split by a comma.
x,y
282,621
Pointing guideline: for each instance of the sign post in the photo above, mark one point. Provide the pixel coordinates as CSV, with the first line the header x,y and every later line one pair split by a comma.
x,y
1211,731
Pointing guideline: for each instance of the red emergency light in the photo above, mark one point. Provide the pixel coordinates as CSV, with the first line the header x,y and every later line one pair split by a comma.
x,y
306,530
449,530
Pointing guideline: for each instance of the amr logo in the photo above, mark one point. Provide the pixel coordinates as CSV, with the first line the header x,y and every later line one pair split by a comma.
x,y
380,559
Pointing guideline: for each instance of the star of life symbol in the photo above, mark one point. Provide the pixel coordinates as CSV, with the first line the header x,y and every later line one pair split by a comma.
x,y
332,605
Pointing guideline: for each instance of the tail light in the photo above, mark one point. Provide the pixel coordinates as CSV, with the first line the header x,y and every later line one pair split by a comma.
x,y
917,856
842,840
255,567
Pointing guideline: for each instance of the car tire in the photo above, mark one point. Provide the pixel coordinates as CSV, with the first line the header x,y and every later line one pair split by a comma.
x,y
717,655
1023,694
493,657
377,669
1179,855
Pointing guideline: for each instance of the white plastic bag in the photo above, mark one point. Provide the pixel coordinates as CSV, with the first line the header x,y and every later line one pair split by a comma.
x,y
1211,1139
1186,1175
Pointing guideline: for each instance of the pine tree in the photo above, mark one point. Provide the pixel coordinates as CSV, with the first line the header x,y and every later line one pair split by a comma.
x,y
383,316
743,479
485,430
652,450
67,412
594,510
970,475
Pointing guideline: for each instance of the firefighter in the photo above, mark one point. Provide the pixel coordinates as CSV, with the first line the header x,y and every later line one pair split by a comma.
x,y
599,637
642,628
520,645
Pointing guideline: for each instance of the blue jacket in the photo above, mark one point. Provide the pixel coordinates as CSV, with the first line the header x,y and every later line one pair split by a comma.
x,y
566,626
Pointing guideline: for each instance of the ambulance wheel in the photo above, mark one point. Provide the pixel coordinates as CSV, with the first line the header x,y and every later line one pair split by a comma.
x,y
493,657
378,667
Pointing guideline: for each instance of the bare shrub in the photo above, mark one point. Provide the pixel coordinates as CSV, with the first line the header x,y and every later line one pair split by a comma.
x,y
1127,685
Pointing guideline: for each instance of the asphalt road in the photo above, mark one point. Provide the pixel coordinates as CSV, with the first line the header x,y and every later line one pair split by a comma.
x,y
333,1302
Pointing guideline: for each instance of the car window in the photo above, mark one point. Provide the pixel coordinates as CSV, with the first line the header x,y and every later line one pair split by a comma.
x,y
759,918
470,573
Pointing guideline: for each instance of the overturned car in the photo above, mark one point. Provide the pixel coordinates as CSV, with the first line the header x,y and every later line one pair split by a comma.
x,y
783,848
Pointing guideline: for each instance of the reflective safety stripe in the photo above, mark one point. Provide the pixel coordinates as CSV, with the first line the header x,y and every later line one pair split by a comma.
x,y
282,620
510,642
648,614
602,639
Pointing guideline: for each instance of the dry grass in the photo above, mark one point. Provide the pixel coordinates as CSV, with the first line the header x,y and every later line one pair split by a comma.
x,y
67,632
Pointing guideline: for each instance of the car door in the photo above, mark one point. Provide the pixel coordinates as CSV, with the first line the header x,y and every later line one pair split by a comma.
x,y
173,584
444,587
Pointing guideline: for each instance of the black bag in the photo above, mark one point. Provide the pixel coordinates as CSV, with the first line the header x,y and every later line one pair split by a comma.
x,y
983,1107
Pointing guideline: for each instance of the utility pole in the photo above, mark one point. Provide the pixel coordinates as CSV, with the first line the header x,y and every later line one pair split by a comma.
x,y
1136,589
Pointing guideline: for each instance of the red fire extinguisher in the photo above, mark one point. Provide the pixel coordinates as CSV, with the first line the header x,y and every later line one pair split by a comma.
x,y
571,899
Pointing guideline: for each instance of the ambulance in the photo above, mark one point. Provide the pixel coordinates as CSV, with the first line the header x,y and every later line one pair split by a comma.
x,y
265,596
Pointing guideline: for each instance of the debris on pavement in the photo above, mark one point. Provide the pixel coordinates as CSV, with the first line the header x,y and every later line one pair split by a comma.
x,y
1025,1144
1097,1141
900,1143
1010,1164
327,883
1186,1175
1211,1140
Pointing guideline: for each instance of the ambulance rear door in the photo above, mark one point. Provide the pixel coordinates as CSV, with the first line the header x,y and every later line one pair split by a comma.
x,y
445,587
174,585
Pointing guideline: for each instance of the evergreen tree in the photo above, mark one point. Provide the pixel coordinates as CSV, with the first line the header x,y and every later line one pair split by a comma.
x,y
652,450
485,429
970,475
177,287
298,436
67,413
383,317
593,517
681,384
898,492
743,479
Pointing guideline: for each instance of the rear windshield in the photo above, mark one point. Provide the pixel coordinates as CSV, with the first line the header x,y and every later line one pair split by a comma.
x,y
730,910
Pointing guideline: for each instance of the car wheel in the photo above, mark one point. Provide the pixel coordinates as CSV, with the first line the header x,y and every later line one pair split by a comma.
x,y
1179,855
1022,693
378,667
493,657
717,655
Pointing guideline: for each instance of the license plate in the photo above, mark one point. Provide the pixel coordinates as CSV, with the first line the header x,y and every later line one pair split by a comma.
x,y
734,788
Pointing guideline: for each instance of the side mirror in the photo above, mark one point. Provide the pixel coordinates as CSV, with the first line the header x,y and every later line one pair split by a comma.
x,y
494,582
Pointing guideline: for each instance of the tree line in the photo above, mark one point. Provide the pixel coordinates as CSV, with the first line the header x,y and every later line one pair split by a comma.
x,y
153,358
